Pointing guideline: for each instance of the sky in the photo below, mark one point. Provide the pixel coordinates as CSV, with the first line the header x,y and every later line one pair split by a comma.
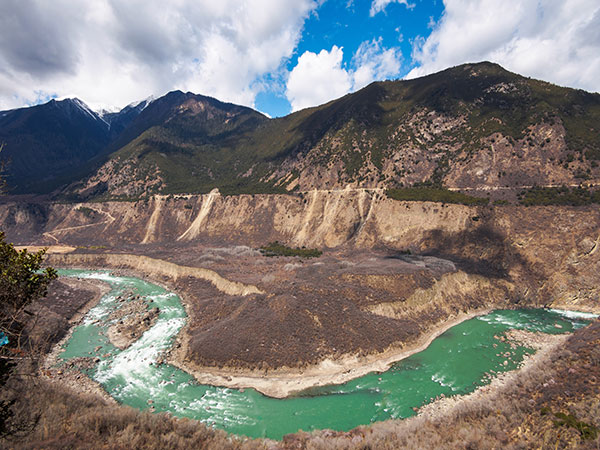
x,y
279,56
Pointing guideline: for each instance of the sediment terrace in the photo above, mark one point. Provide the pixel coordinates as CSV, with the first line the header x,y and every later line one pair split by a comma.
x,y
364,300
540,244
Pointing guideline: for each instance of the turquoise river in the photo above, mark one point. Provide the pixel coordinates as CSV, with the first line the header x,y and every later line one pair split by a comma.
x,y
455,363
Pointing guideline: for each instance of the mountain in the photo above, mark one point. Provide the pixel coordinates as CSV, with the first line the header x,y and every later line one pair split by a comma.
x,y
180,141
120,120
475,128
49,144
45,142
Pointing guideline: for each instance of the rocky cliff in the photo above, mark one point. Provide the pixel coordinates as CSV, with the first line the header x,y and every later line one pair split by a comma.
x,y
552,250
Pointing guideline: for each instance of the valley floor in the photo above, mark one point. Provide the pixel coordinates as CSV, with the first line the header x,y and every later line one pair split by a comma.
x,y
322,321
389,306
553,400
386,283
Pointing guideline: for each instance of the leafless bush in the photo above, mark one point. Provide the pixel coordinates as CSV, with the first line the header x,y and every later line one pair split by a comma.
x,y
64,419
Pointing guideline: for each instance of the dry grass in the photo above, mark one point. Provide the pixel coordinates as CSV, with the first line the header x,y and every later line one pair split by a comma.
x,y
49,416
514,417
522,414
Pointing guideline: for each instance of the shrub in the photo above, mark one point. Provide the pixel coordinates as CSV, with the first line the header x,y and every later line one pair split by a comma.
x,y
586,430
431,194
87,212
277,249
559,196
22,281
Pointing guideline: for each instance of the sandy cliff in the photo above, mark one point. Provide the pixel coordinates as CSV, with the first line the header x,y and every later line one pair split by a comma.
x,y
551,250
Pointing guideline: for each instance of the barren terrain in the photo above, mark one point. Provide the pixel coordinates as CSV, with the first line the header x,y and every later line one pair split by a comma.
x,y
392,272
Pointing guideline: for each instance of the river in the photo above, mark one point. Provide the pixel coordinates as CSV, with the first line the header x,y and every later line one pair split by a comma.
x,y
457,362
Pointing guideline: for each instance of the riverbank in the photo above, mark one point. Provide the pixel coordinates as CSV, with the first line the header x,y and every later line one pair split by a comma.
x,y
516,410
503,420
545,346
284,382
73,377
280,418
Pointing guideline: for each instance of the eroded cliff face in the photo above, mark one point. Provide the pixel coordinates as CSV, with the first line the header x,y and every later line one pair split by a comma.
x,y
550,252
359,217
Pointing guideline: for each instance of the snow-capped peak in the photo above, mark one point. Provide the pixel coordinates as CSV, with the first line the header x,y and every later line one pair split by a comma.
x,y
84,107
104,110
143,104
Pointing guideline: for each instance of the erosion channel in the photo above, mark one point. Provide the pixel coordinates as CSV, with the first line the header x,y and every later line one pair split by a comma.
x,y
463,358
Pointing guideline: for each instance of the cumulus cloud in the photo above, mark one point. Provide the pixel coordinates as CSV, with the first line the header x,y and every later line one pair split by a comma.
x,y
373,62
318,78
558,41
379,5
114,51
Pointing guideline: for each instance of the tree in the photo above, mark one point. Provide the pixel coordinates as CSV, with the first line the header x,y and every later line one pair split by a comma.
x,y
22,281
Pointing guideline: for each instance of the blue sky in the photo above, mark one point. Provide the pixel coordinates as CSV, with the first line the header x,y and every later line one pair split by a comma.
x,y
347,24
279,55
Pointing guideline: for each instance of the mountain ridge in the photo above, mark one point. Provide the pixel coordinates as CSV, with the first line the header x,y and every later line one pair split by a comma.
x,y
474,126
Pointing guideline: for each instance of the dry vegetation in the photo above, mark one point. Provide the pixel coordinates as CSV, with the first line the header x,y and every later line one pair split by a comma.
x,y
50,416
556,404
523,414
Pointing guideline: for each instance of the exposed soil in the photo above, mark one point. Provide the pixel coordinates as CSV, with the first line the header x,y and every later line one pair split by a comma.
x,y
391,273
312,310
516,411
282,382
67,301
321,320
362,301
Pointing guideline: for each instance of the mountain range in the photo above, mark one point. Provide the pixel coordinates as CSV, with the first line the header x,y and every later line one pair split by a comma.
x,y
476,128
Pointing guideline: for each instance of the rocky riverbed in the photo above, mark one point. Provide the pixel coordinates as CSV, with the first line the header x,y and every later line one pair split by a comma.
x,y
131,320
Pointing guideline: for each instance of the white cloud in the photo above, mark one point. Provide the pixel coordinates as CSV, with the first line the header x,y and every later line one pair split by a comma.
x,y
558,41
379,5
114,51
318,78
374,63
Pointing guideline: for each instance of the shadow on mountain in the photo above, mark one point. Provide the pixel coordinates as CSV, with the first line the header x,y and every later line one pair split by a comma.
x,y
481,251
362,107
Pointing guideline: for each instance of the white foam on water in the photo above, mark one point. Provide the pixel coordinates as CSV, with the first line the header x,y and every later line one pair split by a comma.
x,y
500,319
165,296
101,310
103,276
221,406
442,380
170,309
134,364
575,314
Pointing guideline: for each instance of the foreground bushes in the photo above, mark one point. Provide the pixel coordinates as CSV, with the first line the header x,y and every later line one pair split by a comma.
x,y
555,404
53,417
